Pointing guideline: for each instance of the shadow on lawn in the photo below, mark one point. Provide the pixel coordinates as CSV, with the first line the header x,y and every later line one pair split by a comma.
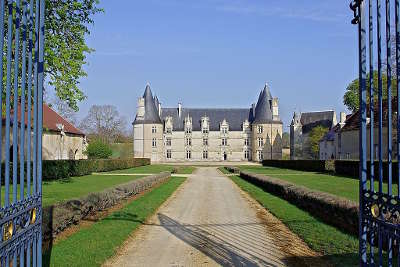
x,y
48,243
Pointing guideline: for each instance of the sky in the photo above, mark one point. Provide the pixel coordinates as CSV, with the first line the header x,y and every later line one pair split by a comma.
x,y
220,53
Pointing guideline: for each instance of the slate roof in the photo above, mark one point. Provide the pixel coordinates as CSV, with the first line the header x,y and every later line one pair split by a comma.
x,y
234,116
310,120
264,107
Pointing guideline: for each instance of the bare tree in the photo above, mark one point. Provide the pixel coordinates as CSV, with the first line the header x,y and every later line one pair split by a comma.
x,y
64,110
104,121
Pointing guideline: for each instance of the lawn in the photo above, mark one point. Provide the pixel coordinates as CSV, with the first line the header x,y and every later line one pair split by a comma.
x,y
158,169
92,246
74,187
337,247
336,185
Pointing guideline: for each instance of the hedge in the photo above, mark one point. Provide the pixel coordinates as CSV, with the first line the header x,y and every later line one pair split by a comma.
x,y
336,211
350,168
64,169
60,216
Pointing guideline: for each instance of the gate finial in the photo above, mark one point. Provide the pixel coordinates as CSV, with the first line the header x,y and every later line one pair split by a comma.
x,y
355,6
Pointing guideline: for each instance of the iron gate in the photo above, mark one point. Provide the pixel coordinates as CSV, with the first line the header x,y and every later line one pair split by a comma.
x,y
21,101
379,229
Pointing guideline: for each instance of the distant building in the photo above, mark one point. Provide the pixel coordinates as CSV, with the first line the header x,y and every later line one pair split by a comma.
x,y
330,144
349,135
207,134
61,139
300,128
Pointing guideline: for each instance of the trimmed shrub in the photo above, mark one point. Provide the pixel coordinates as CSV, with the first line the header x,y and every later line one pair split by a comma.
x,y
98,149
58,217
337,211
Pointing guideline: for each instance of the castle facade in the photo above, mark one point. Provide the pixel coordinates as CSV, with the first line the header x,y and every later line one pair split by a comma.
x,y
207,134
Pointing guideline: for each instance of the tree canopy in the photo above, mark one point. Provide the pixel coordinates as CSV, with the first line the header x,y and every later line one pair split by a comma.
x,y
315,137
350,98
66,25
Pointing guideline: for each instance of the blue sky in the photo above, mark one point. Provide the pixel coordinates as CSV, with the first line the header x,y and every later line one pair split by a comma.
x,y
220,53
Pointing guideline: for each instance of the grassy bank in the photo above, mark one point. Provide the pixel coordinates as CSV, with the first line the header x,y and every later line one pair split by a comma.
x,y
339,248
158,169
92,246
336,185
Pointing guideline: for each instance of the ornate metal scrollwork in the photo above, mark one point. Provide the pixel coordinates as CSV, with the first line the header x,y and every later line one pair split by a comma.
x,y
355,7
8,230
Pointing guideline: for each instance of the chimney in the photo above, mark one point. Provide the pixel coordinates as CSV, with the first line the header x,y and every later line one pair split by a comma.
x,y
140,109
253,108
179,109
342,117
159,109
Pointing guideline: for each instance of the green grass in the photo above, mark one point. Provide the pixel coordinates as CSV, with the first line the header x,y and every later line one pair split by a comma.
x,y
74,187
92,246
122,150
337,247
158,169
337,185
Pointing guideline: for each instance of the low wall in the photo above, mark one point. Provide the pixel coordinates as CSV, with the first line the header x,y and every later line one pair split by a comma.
x,y
339,212
58,217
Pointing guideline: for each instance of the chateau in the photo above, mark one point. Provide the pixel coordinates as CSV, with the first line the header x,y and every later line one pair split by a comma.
x,y
207,134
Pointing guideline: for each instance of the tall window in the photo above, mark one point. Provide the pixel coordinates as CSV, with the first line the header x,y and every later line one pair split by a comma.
x,y
154,129
188,141
246,154
205,154
188,154
246,141
169,154
260,142
154,142
260,129
168,141
205,141
260,155
224,141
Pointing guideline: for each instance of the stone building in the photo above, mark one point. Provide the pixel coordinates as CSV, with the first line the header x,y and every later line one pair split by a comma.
x,y
61,139
301,126
207,134
330,144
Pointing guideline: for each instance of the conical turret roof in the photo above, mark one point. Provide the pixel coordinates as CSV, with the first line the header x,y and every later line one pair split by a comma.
x,y
151,111
264,106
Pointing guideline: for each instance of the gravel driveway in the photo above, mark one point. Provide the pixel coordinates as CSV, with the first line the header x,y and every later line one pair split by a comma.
x,y
209,221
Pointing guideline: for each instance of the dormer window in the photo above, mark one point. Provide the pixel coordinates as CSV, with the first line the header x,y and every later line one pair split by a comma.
x,y
205,130
224,130
260,129
168,130
154,129
188,130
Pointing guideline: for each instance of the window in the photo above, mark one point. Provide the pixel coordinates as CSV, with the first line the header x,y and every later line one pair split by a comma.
x,y
246,142
188,154
260,155
168,130
188,130
154,142
224,130
188,141
169,141
205,141
260,142
205,130
169,154
205,154
246,154
224,141
154,129
260,129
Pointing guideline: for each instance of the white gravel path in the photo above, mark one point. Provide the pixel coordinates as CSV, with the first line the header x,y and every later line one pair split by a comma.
x,y
209,221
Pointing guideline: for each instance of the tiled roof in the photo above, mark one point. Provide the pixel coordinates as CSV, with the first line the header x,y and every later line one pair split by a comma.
x,y
353,122
50,121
